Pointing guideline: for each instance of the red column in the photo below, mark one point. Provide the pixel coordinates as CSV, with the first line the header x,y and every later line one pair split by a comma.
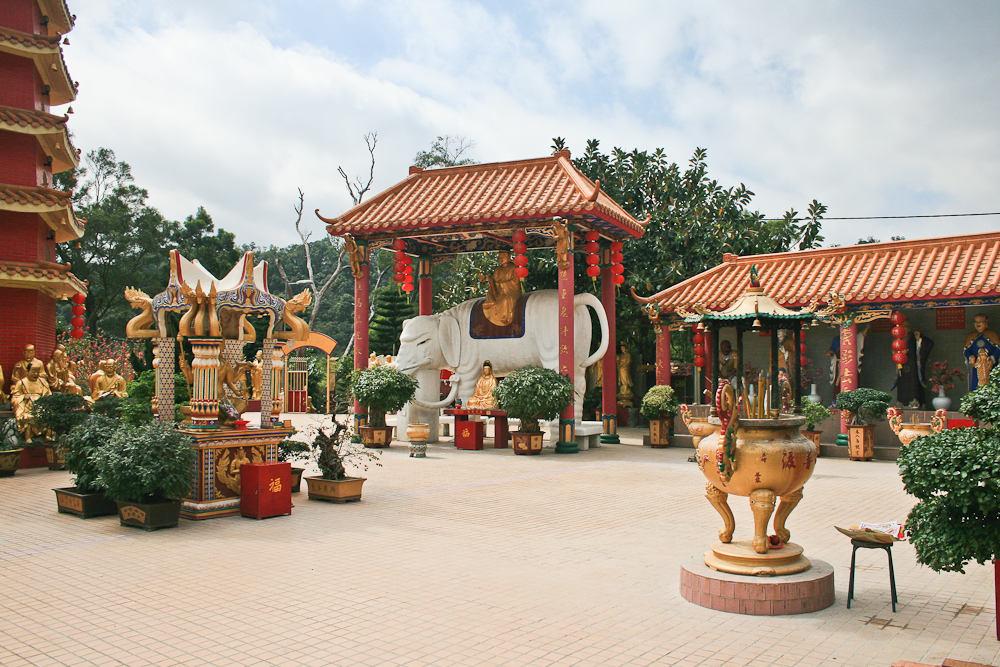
x,y
567,357
848,363
706,376
662,354
361,307
609,371
426,290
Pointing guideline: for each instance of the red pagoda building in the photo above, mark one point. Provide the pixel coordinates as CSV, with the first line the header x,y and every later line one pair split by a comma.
x,y
34,145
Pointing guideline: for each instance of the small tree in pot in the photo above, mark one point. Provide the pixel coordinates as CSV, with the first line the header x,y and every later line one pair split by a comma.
x,y
331,451
59,413
146,470
86,497
10,447
861,408
815,414
381,389
290,451
531,394
659,406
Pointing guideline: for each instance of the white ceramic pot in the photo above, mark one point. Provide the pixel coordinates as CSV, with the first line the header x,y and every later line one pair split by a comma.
x,y
941,401
814,396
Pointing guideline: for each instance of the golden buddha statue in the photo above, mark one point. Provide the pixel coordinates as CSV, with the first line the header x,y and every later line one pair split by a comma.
x,y
106,382
505,290
256,376
23,394
3,383
21,367
624,364
983,365
69,384
55,370
483,398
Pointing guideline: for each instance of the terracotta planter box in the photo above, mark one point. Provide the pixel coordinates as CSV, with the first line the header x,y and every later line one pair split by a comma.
x,y
814,436
53,456
10,461
149,516
335,490
376,437
861,442
297,478
84,505
526,443
660,431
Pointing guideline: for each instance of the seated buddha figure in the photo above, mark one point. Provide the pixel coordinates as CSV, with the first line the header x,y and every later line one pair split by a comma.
x,y
483,399
23,394
106,382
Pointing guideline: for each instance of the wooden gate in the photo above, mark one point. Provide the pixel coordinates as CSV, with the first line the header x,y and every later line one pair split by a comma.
x,y
297,381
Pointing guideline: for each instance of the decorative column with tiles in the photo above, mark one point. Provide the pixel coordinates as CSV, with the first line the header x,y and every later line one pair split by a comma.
x,y
266,383
609,370
567,357
277,381
163,364
205,367
232,353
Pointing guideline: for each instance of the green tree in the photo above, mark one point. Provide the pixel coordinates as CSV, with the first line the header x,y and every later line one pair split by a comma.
x,y
391,308
195,239
445,151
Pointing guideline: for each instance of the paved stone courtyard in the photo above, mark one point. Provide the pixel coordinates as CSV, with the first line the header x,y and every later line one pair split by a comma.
x,y
465,559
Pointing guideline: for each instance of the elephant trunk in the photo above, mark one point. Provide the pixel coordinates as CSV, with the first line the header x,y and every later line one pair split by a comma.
x,y
439,404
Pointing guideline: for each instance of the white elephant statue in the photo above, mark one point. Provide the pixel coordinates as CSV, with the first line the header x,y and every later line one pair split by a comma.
x,y
443,341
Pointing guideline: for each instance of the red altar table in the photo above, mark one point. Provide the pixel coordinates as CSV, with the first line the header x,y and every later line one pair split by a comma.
x,y
500,425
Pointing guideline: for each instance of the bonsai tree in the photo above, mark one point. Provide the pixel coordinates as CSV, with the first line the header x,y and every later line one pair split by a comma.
x,y
291,450
815,414
332,451
659,403
60,413
81,445
532,393
382,389
147,464
864,405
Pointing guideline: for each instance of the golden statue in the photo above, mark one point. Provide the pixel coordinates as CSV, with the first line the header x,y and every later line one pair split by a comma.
x,y
564,243
727,361
505,290
256,377
624,362
298,328
142,325
55,370
106,382
3,383
21,367
24,393
69,383
483,398
983,365
230,377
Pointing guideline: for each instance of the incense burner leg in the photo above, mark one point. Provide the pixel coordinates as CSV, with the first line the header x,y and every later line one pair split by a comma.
x,y
719,500
785,507
762,504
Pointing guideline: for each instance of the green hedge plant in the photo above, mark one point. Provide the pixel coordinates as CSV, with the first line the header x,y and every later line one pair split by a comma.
x,y
80,447
60,413
382,389
659,403
865,405
531,394
146,464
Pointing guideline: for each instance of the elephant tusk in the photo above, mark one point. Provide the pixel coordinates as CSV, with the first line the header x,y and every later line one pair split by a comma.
x,y
440,404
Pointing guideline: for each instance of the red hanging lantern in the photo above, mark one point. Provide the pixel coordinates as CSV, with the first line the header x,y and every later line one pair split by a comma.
x,y
521,272
398,267
618,280
699,362
408,269
899,358
802,335
78,299
617,257
897,318
898,332
76,333
616,246
617,269
699,350
592,247
593,260
77,322
592,236
397,277
593,271
899,345
520,248
408,287
408,278
802,349
520,260
519,236
399,244
699,338
78,310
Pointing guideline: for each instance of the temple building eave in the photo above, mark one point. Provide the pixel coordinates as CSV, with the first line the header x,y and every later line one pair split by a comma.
x,y
54,280
46,53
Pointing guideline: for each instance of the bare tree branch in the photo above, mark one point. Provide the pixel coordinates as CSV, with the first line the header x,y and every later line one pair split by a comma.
x,y
358,189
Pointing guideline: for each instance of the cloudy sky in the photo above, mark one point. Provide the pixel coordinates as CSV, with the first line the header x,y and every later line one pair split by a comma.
x,y
887,108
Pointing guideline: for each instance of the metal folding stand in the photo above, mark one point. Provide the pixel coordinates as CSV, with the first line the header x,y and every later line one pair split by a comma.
x,y
892,575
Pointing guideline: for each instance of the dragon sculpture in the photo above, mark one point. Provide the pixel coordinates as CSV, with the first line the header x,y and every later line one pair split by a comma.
x,y
728,407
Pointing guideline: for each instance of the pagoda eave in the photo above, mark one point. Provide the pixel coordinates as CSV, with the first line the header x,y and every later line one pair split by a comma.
x,y
47,56
56,211
51,279
57,13
52,138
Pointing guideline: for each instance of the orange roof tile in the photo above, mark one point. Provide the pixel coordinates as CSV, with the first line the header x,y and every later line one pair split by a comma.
x,y
51,133
468,198
48,277
46,53
55,207
922,269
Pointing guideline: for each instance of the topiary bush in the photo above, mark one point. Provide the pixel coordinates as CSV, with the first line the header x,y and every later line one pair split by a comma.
x,y
60,413
659,403
955,476
81,445
382,389
864,405
815,414
145,464
532,393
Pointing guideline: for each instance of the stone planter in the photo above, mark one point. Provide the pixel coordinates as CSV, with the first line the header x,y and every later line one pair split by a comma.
x,y
376,437
861,442
53,456
84,505
10,461
297,479
149,516
335,490
660,431
526,443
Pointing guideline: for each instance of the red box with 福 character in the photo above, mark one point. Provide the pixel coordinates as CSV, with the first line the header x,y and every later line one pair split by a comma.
x,y
469,434
265,489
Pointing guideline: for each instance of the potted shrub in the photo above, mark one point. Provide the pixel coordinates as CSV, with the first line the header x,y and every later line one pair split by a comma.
x,y
659,406
86,497
531,394
58,413
10,447
290,451
592,399
146,470
331,452
815,414
381,389
861,408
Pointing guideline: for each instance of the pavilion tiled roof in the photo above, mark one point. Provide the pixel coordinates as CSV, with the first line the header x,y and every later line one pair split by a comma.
x,y
50,130
464,198
46,53
55,207
48,277
923,269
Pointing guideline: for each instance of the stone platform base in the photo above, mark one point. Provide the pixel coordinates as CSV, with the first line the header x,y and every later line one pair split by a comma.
x,y
801,593
214,509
